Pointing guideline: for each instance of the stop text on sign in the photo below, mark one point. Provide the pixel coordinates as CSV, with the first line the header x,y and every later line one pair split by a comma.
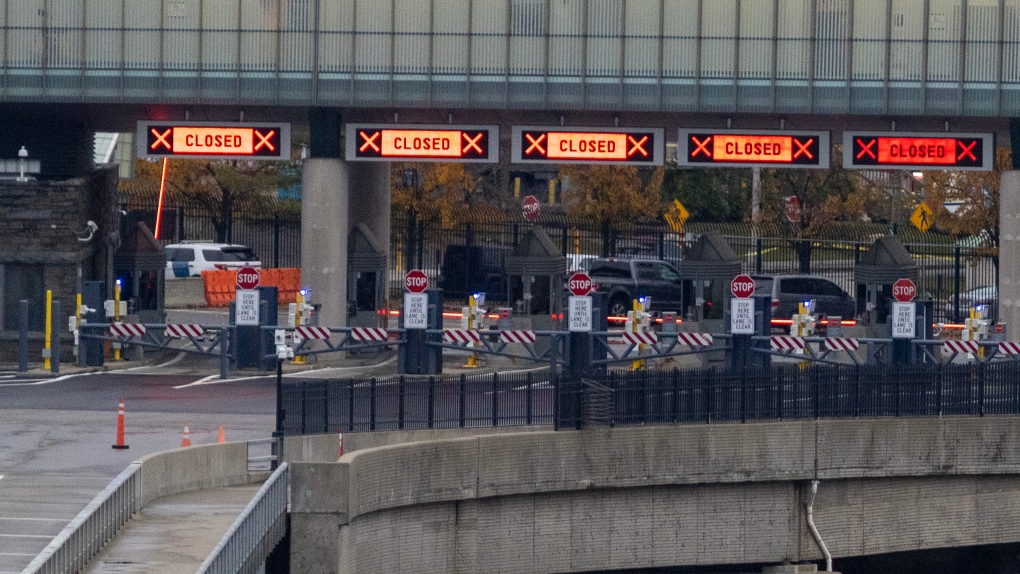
x,y
698,147
639,146
421,143
865,150
227,140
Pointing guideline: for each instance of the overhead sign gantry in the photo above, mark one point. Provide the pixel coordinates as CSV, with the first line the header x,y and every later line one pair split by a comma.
x,y
753,148
584,145
392,142
917,151
213,140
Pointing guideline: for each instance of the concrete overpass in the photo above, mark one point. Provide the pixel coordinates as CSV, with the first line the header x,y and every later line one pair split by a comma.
x,y
654,496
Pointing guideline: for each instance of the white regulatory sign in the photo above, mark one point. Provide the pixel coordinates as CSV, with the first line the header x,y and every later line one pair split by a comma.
x,y
580,313
416,310
742,316
246,307
903,320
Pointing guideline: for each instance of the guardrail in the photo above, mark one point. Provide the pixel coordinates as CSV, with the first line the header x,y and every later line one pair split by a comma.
x,y
93,527
256,532
144,480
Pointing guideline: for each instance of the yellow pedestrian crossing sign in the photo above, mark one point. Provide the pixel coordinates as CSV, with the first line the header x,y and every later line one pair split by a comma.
x,y
677,216
922,217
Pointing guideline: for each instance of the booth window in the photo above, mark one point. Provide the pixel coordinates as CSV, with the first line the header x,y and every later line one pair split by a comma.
x,y
20,281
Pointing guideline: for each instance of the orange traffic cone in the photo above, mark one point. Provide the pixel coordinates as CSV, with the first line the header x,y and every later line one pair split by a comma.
x,y
186,439
222,437
120,426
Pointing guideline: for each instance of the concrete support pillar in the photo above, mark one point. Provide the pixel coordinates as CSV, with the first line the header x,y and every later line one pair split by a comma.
x,y
324,229
370,200
1009,252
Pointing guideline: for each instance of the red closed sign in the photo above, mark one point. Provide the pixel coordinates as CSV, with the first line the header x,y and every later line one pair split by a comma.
x,y
416,281
904,290
742,286
579,284
247,278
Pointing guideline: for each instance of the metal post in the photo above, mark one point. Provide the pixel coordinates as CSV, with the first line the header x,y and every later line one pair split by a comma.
x,y
278,433
276,240
432,400
495,399
371,407
223,336
463,398
956,284
400,404
55,350
529,399
23,337
350,405
48,329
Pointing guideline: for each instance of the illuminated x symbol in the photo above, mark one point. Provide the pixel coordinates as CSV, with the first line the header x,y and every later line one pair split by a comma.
x,y
264,140
866,149
802,148
638,146
966,150
473,143
369,142
702,147
161,138
535,144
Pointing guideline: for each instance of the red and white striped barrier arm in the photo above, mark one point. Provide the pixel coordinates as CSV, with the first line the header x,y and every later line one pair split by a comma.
x,y
181,330
365,334
960,347
786,343
1009,348
306,332
648,337
517,336
695,339
127,329
461,336
842,344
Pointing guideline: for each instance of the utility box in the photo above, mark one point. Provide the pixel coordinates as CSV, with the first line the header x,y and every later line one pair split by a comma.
x,y
366,279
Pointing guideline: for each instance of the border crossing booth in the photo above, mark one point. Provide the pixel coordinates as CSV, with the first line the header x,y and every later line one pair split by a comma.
x,y
535,272
885,261
140,264
366,279
708,266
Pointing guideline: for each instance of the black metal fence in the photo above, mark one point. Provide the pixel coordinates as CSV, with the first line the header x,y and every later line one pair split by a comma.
x,y
700,395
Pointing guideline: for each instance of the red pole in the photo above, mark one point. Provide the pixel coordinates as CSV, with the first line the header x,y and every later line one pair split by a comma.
x,y
159,206
340,437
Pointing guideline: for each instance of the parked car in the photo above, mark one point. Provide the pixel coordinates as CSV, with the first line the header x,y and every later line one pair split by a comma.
x,y
627,279
787,291
985,295
191,259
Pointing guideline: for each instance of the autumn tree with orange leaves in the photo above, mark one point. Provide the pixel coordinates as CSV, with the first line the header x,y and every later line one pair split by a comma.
x,y
619,194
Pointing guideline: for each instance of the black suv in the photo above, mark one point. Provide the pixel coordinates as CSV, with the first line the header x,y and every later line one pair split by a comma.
x,y
627,279
473,269
789,290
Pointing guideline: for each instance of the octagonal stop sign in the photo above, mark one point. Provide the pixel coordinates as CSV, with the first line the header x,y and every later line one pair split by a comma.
x,y
579,284
247,278
416,281
904,290
742,286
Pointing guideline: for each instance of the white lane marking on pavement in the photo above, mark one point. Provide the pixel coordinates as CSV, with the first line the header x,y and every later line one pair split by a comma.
x,y
159,366
64,520
216,380
33,382
46,536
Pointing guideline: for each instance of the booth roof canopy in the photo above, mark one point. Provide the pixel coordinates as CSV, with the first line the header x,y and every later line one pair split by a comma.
x,y
363,252
140,251
710,257
536,254
885,261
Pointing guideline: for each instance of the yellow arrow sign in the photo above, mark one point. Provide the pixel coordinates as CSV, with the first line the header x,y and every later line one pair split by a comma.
x,y
923,217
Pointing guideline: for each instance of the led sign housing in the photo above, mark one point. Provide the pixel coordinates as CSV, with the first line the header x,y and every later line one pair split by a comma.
x,y
635,146
219,140
917,151
703,148
422,143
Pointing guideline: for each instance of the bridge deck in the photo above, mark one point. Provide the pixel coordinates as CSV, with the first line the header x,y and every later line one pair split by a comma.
x,y
175,533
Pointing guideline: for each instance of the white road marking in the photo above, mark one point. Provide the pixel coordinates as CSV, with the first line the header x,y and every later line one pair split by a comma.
x,y
159,366
216,380
46,536
33,382
64,520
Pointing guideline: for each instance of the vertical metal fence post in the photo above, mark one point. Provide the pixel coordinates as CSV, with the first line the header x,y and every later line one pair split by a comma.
x,y
23,336
276,240
372,406
304,407
224,338
432,401
350,407
528,399
400,403
463,399
956,284
743,394
325,407
495,399
982,368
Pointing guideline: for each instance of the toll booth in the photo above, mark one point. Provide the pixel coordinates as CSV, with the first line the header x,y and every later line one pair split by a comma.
x,y
366,279
885,261
708,266
140,264
535,272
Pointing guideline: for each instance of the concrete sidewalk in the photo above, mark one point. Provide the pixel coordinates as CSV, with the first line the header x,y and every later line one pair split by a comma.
x,y
174,534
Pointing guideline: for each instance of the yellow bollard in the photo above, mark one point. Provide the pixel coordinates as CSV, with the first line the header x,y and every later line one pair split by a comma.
x,y
472,361
49,329
638,364
298,359
116,317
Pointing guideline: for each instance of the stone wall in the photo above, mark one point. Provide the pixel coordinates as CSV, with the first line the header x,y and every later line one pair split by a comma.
x,y
43,221
658,496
